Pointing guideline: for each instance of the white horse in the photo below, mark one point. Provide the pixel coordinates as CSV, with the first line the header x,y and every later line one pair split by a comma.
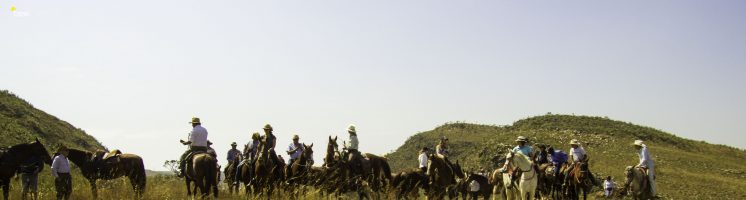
x,y
529,178
511,192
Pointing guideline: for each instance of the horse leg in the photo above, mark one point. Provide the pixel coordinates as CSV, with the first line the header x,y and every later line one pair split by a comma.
x,y
6,188
94,190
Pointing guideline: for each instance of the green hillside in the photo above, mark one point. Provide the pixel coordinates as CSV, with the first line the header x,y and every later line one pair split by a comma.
x,y
686,169
20,122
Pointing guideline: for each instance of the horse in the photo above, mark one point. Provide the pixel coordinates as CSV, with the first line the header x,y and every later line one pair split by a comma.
x,y
299,171
579,181
14,156
485,188
529,176
230,175
635,183
94,168
496,179
203,171
406,184
266,171
553,182
442,177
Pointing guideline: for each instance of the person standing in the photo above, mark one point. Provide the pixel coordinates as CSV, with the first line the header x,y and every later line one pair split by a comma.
x,y
61,172
423,160
30,175
474,189
646,162
197,142
608,187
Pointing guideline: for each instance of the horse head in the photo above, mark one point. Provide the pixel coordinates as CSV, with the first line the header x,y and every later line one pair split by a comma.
x,y
39,149
458,170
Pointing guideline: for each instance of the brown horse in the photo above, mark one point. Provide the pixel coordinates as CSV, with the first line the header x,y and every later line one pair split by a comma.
x,y
129,165
406,184
230,175
579,181
203,171
267,173
299,169
442,175
12,157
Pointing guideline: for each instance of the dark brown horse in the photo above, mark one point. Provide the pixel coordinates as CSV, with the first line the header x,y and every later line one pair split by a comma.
x,y
124,165
268,172
299,169
406,184
579,181
203,171
442,175
12,157
230,175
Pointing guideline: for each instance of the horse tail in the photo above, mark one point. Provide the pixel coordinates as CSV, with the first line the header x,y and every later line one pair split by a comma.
x,y
211,176
386,168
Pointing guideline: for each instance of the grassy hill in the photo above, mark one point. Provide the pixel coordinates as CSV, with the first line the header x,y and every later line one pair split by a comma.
x,y
20,122
686,169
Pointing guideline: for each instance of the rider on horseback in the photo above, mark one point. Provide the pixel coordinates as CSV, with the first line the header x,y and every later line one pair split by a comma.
x,y
233,153
272,142
521,147
249,156
354,156
577,155
295,149
197,142
646,162
558,158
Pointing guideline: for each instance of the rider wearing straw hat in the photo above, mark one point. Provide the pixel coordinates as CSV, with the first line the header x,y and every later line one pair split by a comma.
x,y
577,155
522,148
197,142
354,156
646,162
233,153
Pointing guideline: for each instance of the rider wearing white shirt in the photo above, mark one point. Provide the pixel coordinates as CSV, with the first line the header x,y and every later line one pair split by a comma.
x,y
197,142
646,162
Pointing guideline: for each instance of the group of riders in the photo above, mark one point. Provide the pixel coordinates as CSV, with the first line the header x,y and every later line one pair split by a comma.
x,y
544,155
548,155
198,142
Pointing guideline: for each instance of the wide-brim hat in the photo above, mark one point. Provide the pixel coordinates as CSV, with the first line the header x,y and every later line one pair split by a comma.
x,y
234,144
351,128
255,136
521,139
267,127
574,141
638,143
195,120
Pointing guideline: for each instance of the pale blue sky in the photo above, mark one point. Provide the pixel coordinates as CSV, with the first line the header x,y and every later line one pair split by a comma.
x,y
133,73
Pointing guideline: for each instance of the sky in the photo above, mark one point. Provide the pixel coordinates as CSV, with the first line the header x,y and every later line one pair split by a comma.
x,y
133,73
